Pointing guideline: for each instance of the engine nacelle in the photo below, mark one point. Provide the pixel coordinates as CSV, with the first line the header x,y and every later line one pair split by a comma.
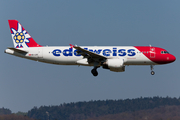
x,y
116,65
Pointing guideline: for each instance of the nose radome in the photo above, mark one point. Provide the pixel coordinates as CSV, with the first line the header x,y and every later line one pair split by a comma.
x,y
172,58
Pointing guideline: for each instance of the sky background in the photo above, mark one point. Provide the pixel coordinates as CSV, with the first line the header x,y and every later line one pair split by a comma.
x,y
25,83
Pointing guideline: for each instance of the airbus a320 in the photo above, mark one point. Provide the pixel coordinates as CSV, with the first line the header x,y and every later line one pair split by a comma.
x,y
114,58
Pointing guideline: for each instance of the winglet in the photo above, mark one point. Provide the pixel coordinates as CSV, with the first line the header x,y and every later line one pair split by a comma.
x,y
71,45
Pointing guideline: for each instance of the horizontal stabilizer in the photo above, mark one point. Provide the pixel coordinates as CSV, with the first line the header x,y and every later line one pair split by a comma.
x,y
18,50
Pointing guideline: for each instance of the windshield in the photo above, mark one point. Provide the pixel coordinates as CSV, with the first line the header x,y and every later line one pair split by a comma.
x,y
164,52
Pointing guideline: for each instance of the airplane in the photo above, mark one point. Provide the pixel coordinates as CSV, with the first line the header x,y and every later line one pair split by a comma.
x,y
114,58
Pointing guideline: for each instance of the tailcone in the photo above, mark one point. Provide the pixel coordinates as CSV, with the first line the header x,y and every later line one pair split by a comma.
x,y
8,51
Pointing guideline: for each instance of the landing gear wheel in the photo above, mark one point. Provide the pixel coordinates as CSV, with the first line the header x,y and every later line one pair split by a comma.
x,y
152,72
94,72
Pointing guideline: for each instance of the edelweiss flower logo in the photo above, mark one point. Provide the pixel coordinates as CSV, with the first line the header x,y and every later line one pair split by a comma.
x,y
20,37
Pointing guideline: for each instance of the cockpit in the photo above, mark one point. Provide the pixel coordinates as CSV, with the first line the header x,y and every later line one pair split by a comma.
x,y
164,52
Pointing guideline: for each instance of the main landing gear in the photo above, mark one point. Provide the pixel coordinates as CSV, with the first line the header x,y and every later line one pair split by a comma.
x,y
94,71
152,72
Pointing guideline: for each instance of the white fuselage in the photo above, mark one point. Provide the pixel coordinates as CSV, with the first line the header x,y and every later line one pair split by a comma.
x,y
65,55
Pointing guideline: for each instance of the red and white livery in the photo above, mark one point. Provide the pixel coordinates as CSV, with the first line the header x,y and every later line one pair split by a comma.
x,y
114,58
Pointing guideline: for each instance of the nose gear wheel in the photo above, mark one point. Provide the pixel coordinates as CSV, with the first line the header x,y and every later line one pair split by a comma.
x,y
152,72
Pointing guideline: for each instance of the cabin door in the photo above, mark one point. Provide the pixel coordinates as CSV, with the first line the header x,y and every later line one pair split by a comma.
x,y
152,52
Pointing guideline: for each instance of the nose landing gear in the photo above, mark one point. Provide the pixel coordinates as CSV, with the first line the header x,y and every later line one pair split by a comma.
x,y
152,72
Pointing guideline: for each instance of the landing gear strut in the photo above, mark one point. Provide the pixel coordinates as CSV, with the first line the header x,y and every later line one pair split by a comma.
x,y
152,72
94,71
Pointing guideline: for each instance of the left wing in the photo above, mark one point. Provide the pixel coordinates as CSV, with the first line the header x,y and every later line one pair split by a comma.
x,y
88,54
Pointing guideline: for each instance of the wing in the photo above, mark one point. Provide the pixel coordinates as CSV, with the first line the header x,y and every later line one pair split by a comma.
x,y
88,54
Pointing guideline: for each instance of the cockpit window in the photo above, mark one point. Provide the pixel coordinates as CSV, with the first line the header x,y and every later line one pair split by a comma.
x,y
164,52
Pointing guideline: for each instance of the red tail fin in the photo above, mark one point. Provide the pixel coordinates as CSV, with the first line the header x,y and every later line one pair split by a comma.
x,y
20,36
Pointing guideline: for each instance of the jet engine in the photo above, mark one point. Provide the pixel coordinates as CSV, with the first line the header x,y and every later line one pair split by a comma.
x,y
115,65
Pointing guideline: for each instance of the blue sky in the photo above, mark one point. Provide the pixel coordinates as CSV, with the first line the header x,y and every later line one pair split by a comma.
x,y
25,84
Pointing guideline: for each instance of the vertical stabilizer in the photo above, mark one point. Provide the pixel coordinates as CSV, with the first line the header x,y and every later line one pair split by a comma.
x,y
21,38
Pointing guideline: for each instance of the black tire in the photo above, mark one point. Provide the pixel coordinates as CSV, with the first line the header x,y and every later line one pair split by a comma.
x,y
152,72
94,72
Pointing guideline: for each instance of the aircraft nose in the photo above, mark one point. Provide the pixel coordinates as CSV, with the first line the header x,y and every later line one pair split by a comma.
x,y
171,58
